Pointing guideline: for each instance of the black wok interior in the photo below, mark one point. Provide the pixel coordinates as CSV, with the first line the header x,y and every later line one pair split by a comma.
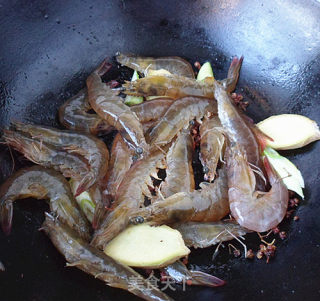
x,y
48,48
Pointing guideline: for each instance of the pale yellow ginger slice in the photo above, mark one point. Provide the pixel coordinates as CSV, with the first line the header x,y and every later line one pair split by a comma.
x,y
289,131
147,247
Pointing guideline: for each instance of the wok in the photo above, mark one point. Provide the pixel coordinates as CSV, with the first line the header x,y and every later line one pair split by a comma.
x,y
47,50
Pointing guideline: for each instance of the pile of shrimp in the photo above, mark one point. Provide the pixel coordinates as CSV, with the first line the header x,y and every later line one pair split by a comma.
x,y
240,192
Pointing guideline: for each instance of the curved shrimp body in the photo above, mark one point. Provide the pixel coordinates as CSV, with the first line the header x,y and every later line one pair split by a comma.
x,y
119,164
73,115
255,210
179,166
203,235
177,117
173,86
109,106
93,150
42,183
211,146
152,110
239,131
121,158
173,64
180,273
130,195
70,165
80,254
208,204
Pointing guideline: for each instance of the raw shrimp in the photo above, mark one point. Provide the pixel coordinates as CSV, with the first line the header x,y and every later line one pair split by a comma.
x,y
178,116
179,166
211,146
180,274
109,106
173,86
120,162
130,195
239,131
152,110
173,64
255,210
203,235
93,150
176,86
41,183
80,254
70,165
208,204
73,115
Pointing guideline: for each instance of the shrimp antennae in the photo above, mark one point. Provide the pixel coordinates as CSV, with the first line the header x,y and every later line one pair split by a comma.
x,y
215,253
11,155
236,238
258,171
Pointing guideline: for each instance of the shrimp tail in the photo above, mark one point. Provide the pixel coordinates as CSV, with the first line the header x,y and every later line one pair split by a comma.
x,y
201,278
81,188
86,182
235,66
117,220
100,212
180,273
13,140
262,138
6,214
233,74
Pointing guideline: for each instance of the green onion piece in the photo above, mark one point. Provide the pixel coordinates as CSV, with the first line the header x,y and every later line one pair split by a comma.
x,y
133,100
289,173
84,201
205,71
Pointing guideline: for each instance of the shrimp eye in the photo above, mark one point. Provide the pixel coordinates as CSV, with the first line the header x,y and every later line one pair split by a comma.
x,y
205,169
137,220
139,150
192,122
135,158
